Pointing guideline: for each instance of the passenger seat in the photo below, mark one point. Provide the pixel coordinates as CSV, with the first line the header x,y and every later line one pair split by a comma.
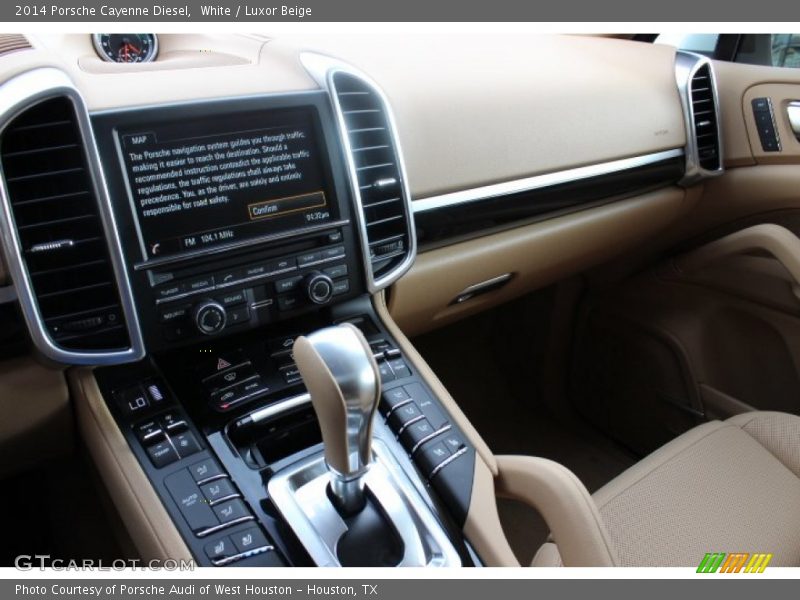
x,y
731,486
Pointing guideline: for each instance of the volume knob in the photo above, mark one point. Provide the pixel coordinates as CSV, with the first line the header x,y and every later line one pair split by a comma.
x,y
319,288
210,317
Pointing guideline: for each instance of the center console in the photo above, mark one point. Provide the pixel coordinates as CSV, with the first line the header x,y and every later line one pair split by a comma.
x,y
244,224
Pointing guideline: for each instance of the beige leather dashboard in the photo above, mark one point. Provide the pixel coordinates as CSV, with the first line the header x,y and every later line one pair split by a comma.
x,y
471,111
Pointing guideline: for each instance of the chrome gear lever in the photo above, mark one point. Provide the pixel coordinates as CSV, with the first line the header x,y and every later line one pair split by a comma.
x,y
342,377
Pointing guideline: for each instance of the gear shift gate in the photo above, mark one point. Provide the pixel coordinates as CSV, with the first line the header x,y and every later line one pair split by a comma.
x,y
299,492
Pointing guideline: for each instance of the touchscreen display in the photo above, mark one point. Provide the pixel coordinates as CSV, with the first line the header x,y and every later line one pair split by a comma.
x,y
199,183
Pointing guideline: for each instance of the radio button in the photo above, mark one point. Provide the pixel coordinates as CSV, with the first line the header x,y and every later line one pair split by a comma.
x,y
341,287
170,315
289,284
169,291
210,317
335,236
308,258
288,302
335,252
233,298
228,277
239,315
283,264
201,283
256,270
336,272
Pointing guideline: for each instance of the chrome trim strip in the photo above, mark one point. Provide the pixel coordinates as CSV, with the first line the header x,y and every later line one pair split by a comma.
x,y
322,69
19,94
429,437
537,182
408,424
793,112
273,410
212,478
221,562
447,461
686,65
223,499
222,526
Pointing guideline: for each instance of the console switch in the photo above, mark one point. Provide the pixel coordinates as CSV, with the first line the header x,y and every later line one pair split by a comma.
x,y
162,454
190,501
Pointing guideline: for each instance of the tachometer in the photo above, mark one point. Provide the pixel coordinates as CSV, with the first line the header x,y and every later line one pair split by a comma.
x,y
126,47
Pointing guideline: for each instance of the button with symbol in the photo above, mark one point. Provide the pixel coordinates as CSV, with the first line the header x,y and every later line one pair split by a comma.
x,y
218,549
186,444
225,378
231,510
249,539
432,456
205,469
217,489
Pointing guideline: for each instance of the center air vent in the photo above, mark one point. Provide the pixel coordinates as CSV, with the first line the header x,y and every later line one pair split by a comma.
x,y
62,245
388,229
706,128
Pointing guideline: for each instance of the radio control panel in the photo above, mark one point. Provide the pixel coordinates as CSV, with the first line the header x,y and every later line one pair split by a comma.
x,y
233,294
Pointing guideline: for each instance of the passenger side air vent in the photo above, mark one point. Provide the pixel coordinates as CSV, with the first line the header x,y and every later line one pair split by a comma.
x,y
706,132
695,78
61,238
377,171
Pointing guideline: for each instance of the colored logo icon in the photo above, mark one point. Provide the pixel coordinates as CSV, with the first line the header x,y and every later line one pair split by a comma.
x,y
735,562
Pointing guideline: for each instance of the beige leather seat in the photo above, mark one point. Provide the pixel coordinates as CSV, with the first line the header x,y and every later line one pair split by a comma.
x,y
731,486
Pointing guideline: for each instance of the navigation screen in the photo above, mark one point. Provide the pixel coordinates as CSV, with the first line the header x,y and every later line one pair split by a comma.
x,y
200,183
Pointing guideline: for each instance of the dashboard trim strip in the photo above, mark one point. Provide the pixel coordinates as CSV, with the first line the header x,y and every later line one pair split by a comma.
x,y
19,94
537,182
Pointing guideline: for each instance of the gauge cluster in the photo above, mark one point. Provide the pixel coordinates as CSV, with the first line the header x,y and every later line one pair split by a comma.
x,y
126,47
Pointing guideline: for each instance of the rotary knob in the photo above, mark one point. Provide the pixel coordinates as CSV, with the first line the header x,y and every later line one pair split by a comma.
x,y
210,317
319,288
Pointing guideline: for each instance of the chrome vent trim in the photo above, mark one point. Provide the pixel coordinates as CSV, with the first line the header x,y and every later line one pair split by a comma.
x,y
689,69
324,70
16,96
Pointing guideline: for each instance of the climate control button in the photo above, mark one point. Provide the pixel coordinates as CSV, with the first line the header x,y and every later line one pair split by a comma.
x,y
210,317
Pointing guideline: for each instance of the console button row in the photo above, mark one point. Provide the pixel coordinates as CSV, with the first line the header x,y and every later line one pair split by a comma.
x,y
233,384
229,277
166,439
209,508
237,546
422,427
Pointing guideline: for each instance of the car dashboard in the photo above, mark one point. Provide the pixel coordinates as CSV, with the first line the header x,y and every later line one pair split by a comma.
x,y
170,226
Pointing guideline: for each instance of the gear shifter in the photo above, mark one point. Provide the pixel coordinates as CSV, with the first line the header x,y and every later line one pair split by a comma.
x,y
342,377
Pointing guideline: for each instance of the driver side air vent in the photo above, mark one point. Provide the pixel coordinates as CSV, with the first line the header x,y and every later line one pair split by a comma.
x,y
62,245
378,174
704,109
